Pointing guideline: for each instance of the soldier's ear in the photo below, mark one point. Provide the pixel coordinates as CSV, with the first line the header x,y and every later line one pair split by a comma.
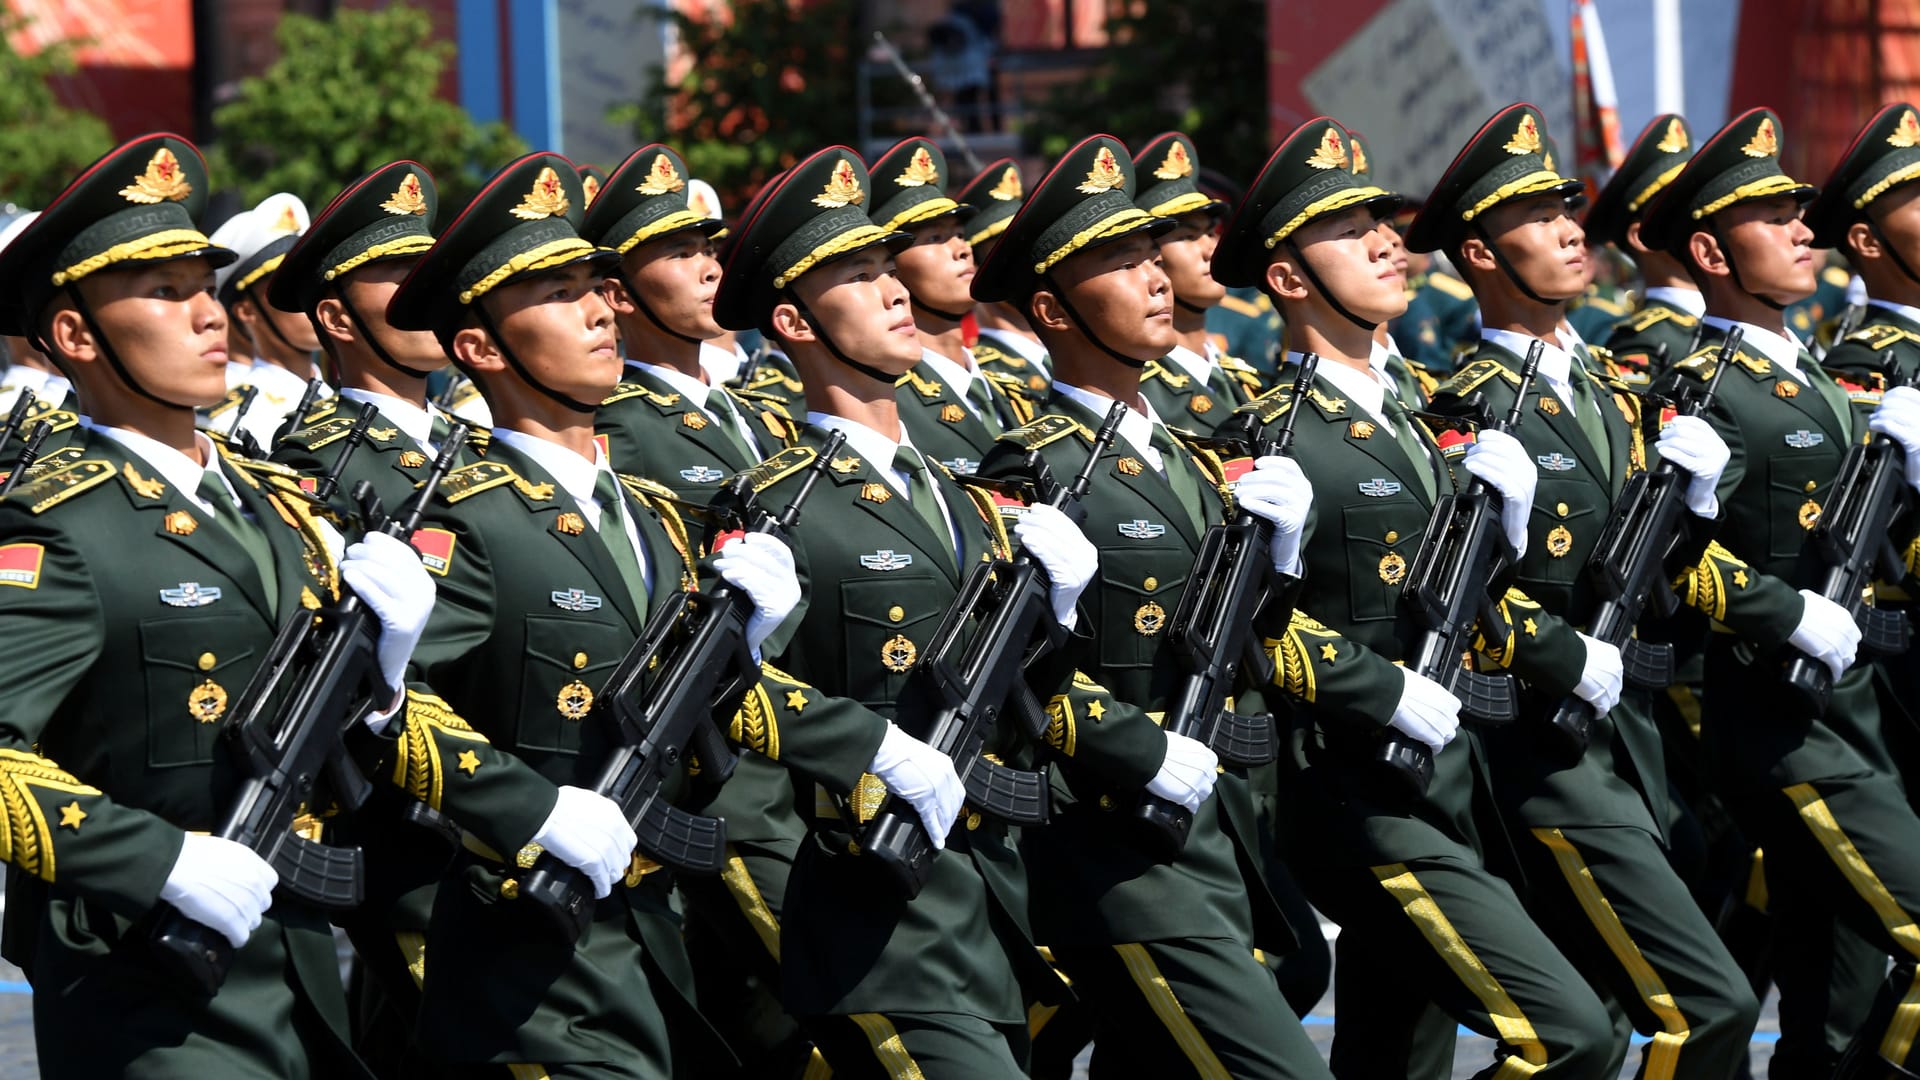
x,y
1046,312
1635,245
474,349
1864,242
789,324
331,319
1703,251
1283,280
1476,255
67,333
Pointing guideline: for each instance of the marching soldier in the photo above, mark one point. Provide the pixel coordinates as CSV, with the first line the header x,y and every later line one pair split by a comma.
x,y
1409,382
1591,824
1194,386
936,985
952,407
281,342
153,570
1006,343
667,420
1659,333
1818,793
1425,923
27,368
1157,947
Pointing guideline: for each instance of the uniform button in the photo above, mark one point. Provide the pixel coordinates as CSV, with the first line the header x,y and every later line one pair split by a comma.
x,y
1106,802
1393,537
510,889
579,660
207,660
973,821
1150,584
896,613
1811,485
1561,509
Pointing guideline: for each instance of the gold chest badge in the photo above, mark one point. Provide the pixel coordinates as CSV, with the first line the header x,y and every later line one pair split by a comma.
x,y
412,459
1559,542
952,413
898,654
1786,390
1149,619
1200,404
208,702
1360,429
570,523
694,420
1549,406
180,523
1809,514
1393,568
875,492
1130,466
575,700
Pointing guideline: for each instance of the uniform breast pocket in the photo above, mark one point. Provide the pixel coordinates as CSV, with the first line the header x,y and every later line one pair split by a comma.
x,y
1140,586
1796,494
195,668
1380,544
1566,523
887,624
568,658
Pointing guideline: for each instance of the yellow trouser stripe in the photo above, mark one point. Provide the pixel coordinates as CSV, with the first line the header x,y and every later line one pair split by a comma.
x,y
752,904
1898,1040
413,950
1512,1024
887,1047
1663,1051
1038,1016
1687,705
817,1068
1757,881
528,1072
1159,995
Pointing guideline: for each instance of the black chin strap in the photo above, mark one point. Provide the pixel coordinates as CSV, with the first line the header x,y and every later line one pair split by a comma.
x,y
1195,308
1726,252
1086,328
106,348
500,342
1500,260
1892,252
833,348
1332,300
641,303
366,335
260,305
931,310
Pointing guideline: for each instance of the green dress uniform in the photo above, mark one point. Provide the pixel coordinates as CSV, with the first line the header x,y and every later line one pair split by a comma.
x,y
1658,333
1424,920
886,987
62,420
1819,794
1245,325
1441,295
996,193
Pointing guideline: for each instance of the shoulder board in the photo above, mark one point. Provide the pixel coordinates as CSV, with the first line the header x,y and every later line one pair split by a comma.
x,y
1237,365
1241,307
772,404
1650,316
1452,286
59,459
640,485
55,419
985,353
1050,428
1878,337
43,493
1157,370
1269,406
1836,277
1008,383
779,467
474,479
1470,377
1701,364
1607,304
321,410
1601,353
627,391
321,434
261,468
233,398
923,387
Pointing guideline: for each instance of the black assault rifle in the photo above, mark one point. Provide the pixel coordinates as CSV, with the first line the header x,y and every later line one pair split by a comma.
x,y
958,691
29,453
1851,547
1446,592
17,418
689,664
1628,568
1214,631
321,676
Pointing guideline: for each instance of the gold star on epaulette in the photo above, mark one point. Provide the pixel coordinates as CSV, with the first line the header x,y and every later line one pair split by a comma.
x,y
469,762
1096,710
1530,627
796,700
1740,578
71,816
1329,653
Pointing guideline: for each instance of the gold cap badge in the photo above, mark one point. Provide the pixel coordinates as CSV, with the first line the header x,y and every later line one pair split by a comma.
x,y
919,171
1765,141
1008,189
1908,133
1359,158
589,187
1104,176
1675,140
407,198
843,188
163,181
1331,153
547,199
1177,164
1526,137
662,177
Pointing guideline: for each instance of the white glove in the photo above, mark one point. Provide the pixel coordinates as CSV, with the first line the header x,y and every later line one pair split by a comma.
x,y
1826,633
1692,444
587,831
1427,712
387,576
1498,458
1276,489
1599,684
1188,773
221,885
1063,551
1898,418
761,567
924,777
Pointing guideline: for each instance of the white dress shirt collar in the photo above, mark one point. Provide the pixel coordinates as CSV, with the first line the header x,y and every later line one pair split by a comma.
x,y
694,389
958,376
1367,389
1909,313
1194,364
1780,348
1690,301
412,420
1135,426
174,467
1556,361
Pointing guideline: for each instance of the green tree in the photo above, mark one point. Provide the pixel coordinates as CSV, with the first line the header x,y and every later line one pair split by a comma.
x,y
347,95
1196,68
774,80
43,144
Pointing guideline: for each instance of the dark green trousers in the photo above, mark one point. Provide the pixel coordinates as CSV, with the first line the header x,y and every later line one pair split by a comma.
x,y
919,1046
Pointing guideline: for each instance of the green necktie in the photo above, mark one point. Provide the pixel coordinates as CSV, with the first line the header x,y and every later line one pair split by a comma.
x,y
721,404
1405,386
1830,391
1180,475
1409,440
247,535
1224,386
439,433
1586,411
920,496
613,533
982,397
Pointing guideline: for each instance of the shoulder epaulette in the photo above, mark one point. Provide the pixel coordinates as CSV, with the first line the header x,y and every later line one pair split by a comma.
x,y
51,414
321,434
1009,384
642,486
1157,370
1470,377
1452,286
1271,405
1654,315
627,391
984,353
43,493
59,459
259,467
769,402
474,479
1880,336
779,467
1050,428
1241,307
233,398
1701,364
